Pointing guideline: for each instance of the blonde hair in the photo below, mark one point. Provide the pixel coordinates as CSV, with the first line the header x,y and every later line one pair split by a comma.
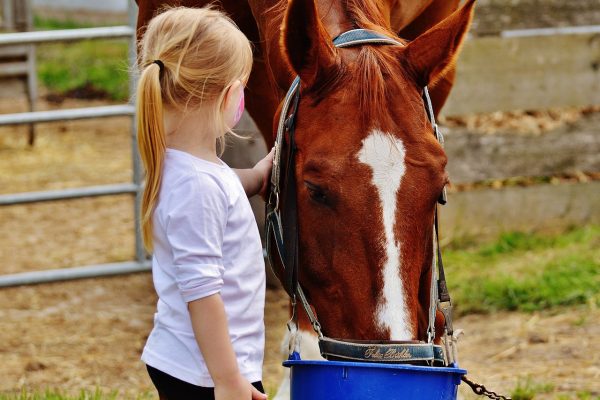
x,y
202,53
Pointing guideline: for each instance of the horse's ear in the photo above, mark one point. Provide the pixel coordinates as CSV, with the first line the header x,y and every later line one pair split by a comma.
x,y
306,44
431,54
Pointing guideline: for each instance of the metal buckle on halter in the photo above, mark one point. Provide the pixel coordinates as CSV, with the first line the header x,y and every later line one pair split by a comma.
x,y
449,340
446,308
316,325
270,201
430,334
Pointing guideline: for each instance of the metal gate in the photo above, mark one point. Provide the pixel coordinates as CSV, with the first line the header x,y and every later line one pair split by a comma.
x,y
134,188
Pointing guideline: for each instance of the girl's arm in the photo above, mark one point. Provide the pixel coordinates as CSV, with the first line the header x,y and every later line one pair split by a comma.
x,y
209,322
254,180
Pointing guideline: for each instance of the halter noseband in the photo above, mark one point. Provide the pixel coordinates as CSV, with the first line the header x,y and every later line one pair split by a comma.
x,y
287,245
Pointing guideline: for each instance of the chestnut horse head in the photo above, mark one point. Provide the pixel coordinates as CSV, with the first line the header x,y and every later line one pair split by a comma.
x,y
368,169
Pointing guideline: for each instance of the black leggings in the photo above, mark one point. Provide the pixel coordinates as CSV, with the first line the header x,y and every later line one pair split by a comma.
x,y
171,388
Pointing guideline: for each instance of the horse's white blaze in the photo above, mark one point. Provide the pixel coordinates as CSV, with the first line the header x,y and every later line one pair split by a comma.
x,y
384,154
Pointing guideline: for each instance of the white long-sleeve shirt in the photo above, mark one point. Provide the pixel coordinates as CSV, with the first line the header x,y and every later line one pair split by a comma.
x,y
206,241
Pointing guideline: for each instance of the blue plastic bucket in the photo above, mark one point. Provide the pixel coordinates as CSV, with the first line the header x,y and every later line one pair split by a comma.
x,y
337,380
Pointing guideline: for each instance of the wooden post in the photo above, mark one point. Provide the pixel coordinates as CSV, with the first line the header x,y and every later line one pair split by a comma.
x,y
20,60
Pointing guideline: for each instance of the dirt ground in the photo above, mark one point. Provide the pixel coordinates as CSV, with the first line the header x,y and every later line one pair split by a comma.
x,y
90,333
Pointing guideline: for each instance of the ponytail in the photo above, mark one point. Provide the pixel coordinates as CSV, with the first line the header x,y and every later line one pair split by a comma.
x,y
151,143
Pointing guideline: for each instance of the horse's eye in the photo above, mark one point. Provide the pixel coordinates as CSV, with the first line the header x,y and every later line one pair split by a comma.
x,y
316,193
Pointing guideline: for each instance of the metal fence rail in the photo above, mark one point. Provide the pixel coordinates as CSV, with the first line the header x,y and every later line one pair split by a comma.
x,y
65,274
561,30
67,35
140,263
66,115
64,194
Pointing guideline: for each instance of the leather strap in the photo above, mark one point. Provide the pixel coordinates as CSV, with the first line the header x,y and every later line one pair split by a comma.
x,y
290,209
443,293
274,230
436,130
444,303
275,224
356,37
381,352
293,91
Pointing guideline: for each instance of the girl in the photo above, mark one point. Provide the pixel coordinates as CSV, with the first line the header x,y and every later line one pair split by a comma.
x,y
207,267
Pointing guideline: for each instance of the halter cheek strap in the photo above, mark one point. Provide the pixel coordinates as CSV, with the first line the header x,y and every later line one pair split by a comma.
x,y
282,231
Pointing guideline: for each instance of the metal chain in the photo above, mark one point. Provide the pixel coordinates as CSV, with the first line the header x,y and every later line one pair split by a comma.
x,y
482,391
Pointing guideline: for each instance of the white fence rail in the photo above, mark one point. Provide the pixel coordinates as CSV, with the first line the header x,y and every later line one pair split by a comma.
x,y
66,35
66,115
66,274
65,194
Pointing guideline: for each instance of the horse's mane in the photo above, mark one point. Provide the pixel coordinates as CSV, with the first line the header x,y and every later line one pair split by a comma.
x,y
375,69
376,65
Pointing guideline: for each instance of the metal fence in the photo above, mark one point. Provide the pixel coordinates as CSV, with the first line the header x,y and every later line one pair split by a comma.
x,y
135,188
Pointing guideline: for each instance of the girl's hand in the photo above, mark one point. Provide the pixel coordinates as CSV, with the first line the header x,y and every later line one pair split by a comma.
x,y
238,389
263,168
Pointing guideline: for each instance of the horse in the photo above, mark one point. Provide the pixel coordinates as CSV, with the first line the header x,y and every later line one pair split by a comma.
x,y
368,170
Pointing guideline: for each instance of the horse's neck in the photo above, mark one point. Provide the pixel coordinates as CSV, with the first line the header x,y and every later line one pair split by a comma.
x,y
269,14
402,13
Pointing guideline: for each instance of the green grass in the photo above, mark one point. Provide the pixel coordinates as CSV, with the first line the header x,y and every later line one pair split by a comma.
x,y
526,389
91,65
51,394
584,395
40,23
526,272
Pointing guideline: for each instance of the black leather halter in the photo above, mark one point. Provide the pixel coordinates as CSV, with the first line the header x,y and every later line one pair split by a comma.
x,y
282,231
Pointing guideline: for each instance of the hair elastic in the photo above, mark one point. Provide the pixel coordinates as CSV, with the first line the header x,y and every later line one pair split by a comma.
x,y
160,64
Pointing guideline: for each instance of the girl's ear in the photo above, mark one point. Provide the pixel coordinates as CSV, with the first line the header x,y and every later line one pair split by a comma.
x,y
233,103
233,93
430,55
